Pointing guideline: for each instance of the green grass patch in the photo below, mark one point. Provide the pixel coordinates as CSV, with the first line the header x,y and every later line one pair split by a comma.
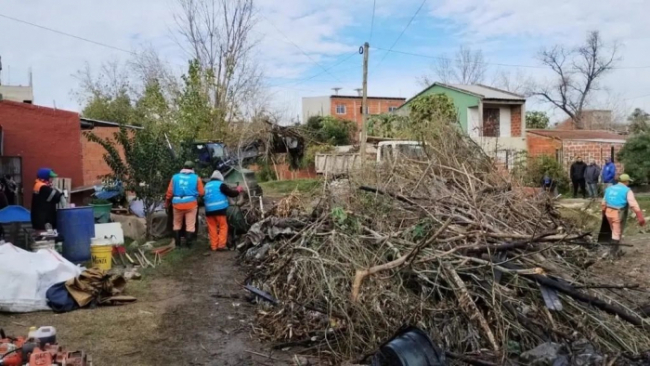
x,y
278,188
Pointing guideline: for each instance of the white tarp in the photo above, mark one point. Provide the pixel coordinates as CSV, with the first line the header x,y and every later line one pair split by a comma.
x,y
26,276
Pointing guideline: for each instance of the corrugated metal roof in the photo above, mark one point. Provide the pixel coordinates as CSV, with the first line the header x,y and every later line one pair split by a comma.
x,y
579,134
488,92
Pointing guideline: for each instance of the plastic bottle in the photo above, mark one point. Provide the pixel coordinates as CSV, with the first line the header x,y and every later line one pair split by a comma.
x,y
46,335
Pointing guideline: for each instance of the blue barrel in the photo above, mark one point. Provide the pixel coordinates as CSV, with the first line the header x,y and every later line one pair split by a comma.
x,y
77,226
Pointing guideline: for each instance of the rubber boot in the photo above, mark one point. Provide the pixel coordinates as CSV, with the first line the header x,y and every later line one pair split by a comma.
x,y
177,239
615,249
189,239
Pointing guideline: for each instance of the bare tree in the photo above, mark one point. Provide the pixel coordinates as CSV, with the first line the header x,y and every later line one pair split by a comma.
x,y
466,67
517,82
577,72
217,33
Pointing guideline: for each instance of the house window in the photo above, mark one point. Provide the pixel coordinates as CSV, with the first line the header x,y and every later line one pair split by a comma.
x,y
361,109
340,109
392,109
491,122
611,154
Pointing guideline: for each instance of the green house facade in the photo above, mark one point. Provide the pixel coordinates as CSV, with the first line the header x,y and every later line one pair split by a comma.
x,y
494,118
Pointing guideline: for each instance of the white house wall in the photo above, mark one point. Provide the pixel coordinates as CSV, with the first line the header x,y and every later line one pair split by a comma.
x,y
473,122
505,120
315,106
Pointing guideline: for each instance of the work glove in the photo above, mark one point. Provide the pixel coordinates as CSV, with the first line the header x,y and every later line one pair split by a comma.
x,y
640,218
239,189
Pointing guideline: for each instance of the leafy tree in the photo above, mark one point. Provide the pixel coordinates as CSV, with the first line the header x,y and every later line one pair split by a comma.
x,y
145,167
331,130
429,110
634,155
537,119
389,125
639,120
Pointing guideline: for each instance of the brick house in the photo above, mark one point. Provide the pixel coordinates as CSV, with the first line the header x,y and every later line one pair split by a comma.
x,y
492,117
347,106
48,137
566,145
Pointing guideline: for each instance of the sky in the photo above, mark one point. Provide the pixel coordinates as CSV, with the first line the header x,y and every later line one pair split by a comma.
x,y
300,39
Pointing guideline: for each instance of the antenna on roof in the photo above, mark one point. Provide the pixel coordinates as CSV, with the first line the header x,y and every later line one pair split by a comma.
x,y
336,90
359,91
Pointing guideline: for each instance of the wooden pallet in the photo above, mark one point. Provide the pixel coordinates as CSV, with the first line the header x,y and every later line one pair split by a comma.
x,y
64,185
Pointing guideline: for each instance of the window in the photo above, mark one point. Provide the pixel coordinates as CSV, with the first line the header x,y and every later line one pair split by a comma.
x,y
491,122
340,109
611,154
361,109
392,109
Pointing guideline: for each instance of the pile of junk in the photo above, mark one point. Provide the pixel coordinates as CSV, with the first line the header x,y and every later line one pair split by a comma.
x,y
39,348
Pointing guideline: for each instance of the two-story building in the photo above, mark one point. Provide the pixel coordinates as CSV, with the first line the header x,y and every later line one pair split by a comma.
x,y
347,107
492,117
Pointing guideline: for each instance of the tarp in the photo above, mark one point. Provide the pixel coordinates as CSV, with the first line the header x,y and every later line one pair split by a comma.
x,y
25,277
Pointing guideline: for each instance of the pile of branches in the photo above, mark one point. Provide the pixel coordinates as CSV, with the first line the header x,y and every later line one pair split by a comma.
x,y
448,245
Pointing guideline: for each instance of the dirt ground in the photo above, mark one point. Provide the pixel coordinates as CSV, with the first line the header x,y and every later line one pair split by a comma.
x,y
191,311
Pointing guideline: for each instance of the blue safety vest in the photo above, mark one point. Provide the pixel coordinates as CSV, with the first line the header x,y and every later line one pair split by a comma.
x,y
214,199
185,187
616,196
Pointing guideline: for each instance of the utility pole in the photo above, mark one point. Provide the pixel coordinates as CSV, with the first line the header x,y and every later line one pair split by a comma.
x,y
364,104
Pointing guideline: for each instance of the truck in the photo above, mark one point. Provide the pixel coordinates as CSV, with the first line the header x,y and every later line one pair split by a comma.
x,y
343,161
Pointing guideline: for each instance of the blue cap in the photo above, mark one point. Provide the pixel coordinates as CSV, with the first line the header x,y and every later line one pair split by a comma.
x,y
45,174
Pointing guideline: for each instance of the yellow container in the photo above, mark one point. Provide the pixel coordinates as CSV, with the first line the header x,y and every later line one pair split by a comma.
x,y
102,256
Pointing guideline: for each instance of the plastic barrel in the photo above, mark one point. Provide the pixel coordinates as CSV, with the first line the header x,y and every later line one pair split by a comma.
x,y
77,226
102,212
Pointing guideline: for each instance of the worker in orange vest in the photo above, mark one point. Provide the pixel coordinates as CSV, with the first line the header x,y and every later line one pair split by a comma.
x,y
183,192
44,200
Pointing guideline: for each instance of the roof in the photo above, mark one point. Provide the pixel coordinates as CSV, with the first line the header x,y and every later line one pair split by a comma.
x,y
369,97
90,123
478,90
487,92
579,135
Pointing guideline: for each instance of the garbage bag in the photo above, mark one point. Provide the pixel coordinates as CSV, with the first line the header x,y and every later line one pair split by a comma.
x,y
26,276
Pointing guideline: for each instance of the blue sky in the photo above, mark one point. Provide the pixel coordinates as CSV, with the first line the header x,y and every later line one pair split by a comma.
x,y
330,32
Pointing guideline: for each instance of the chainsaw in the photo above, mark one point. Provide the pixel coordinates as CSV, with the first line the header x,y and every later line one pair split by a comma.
x,y
21,351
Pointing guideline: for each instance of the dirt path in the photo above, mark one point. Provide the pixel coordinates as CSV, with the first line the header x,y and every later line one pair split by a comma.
x,y
183,316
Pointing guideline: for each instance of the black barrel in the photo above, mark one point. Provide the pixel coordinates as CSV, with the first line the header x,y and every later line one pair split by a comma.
x,y
412,347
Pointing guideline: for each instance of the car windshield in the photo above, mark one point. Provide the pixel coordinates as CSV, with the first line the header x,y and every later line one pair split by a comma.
x,y
411,151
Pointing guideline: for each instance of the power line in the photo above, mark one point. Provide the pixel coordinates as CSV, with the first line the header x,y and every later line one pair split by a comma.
x,y
495,63
66,34
401,34
300,49
372,21
320,73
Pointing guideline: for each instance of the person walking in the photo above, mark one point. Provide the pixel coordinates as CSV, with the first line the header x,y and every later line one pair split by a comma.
x,y
44,200
592,174
609,173
183,192
616,202
577,173
216,204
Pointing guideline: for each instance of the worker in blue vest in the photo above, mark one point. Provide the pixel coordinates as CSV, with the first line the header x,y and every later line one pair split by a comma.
x,y
618,199
183,193
216,203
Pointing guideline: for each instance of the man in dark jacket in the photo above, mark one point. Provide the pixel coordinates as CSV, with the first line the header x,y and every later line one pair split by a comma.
x,y
592,173
577,173
44,200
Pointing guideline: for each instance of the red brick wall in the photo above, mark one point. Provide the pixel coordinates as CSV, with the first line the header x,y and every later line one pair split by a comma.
x,y
93,162
588,150
43,137
540,145
353,107
515,121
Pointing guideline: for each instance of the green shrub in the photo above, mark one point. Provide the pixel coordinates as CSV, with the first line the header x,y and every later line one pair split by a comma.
x,y
533,172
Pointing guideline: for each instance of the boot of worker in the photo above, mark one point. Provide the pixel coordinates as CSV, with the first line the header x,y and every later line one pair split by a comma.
x,y
190,238
177,239
615,249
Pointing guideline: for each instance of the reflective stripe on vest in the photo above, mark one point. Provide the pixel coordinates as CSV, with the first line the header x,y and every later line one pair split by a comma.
x,y
185,187
214,199
616,196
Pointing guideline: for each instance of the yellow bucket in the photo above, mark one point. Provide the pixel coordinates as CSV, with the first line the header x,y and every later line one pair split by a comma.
x,y
102,256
